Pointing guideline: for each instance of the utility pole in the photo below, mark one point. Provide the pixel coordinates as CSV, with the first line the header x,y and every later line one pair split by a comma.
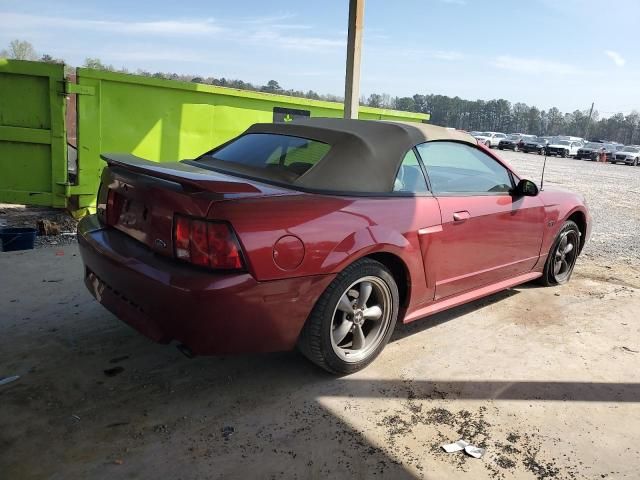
x,y
354,50
586,133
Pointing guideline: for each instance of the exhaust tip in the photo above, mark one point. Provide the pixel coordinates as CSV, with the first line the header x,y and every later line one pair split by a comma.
x,y
186,351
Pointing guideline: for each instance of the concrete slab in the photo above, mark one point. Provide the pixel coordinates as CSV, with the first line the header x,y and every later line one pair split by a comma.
x,y
546,380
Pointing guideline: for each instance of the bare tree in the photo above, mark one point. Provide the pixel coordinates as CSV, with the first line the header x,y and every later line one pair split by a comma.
x,y
20,50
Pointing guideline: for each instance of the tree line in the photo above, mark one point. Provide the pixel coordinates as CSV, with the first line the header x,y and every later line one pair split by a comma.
x,y
479,115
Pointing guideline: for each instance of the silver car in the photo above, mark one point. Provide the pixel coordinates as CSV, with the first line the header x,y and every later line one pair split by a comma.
x,y
490,139
629,155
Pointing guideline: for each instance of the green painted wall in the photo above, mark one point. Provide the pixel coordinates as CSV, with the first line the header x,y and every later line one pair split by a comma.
x,y
33,147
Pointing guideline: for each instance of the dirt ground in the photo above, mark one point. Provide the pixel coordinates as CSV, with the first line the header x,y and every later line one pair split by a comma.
x,y
546,380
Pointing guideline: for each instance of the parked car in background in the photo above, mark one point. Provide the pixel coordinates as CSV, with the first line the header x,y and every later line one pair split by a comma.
x,y
588,150
490,139
571,139
319,234
563,148
629,155
512,142
609,150
534,145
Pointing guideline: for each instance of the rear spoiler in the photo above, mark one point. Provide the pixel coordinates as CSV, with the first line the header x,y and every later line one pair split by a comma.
x,y
182,173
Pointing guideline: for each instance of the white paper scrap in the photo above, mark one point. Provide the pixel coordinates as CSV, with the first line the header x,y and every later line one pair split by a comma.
x,y
455,447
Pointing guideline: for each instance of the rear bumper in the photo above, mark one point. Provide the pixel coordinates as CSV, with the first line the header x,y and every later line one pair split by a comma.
x,y
208,312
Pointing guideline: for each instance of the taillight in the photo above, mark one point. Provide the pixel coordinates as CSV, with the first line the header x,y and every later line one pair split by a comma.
x,y
114,207
207,244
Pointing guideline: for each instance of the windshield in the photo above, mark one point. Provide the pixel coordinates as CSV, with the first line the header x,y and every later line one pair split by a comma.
x,y
514,137
485,134
593,145
563,142
631,149
280,158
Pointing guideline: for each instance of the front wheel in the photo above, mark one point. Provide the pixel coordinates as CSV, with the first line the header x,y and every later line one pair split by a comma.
x,y
353,319
562,256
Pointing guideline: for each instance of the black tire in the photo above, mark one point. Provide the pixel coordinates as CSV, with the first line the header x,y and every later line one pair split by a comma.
x,y
635,162
564,154
549,276
500,148
541,151
315,341
487,144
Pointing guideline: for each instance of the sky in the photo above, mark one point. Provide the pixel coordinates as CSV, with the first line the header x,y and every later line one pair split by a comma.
x,y
563,53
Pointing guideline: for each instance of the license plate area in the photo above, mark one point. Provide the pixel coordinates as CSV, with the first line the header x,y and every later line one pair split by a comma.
x,y
129,215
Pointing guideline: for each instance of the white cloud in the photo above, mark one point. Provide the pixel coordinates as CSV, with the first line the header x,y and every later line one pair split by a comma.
x,y
615,57
534,66
272,30
447,55
273,38
24,22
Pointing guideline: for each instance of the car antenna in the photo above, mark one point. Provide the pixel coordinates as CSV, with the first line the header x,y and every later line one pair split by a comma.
x,y
544,164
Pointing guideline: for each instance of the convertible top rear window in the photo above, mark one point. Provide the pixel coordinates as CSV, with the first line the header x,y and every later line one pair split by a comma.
x,y
278,158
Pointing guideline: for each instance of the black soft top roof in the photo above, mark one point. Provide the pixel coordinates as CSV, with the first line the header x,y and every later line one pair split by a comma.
x,y
365,154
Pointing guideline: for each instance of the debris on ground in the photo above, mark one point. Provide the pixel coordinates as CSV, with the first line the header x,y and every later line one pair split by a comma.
x,y
475,452
55,227
118,461
112,372
227,432
472,450
454,447
6,380
47,227
630,350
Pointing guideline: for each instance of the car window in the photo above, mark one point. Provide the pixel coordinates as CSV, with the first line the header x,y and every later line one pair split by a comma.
x,y
410,178
458,168
270,156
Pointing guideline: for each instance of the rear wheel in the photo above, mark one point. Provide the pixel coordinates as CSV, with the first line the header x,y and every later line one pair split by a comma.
x,y
562,256
353,319
487,144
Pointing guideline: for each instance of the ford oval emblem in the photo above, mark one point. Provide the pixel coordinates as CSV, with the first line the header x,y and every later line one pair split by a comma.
x,y
160,243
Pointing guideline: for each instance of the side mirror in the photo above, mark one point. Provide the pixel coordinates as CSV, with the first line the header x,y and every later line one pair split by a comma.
x,y
525,188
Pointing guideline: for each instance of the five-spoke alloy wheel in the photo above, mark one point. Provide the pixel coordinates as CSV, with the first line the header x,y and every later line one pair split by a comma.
x,y
562,256
353,319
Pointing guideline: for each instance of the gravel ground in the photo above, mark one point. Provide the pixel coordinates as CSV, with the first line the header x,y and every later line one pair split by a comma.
x,y
612,193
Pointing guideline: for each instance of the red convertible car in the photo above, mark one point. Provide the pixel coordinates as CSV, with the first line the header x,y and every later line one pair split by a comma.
x,y
319,234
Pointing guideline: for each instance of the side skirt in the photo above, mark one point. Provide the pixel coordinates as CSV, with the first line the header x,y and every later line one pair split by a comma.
x,y
469,296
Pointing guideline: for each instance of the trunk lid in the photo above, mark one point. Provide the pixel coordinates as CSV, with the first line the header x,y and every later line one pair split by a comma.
x,y
140,198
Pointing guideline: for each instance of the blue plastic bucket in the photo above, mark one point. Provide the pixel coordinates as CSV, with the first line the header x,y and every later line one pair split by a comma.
x,y
13,238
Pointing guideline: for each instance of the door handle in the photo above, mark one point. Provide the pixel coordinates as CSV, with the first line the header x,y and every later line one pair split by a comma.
x,y
461,216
